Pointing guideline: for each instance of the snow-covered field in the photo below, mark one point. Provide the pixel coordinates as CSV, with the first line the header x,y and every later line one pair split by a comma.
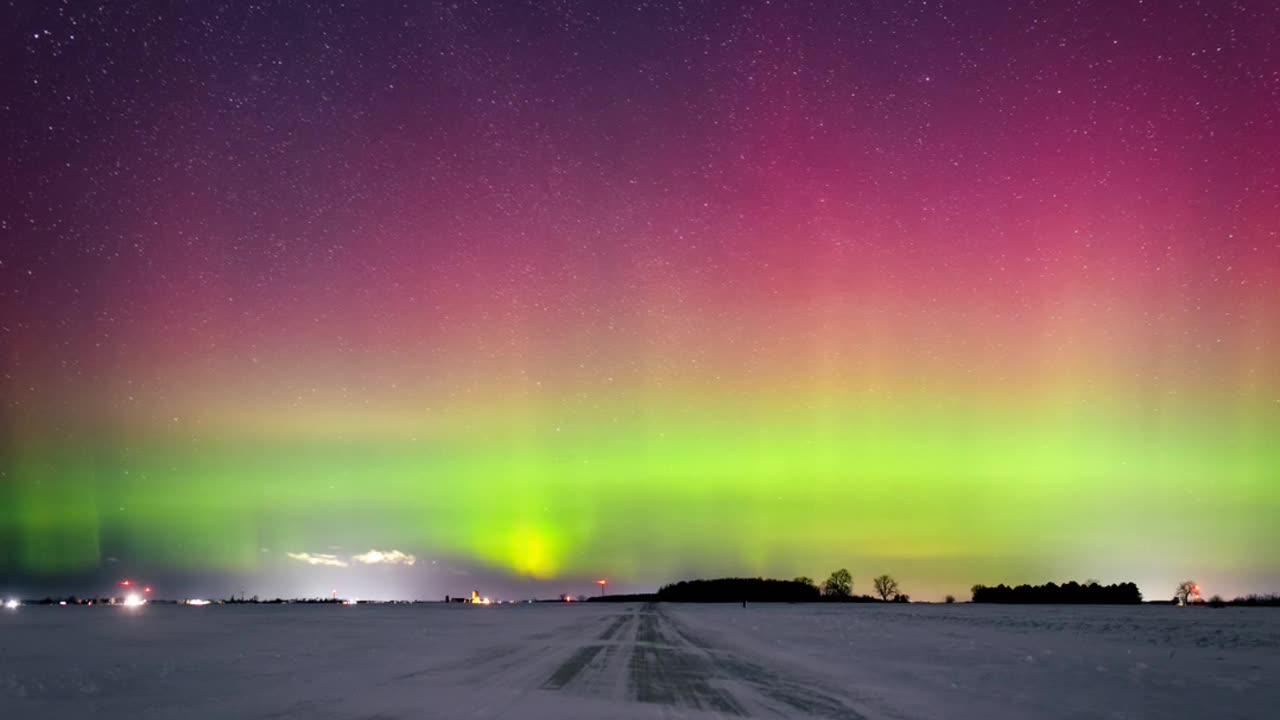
x,y
605,661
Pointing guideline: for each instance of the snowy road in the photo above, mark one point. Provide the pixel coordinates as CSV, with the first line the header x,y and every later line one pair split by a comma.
x,y
657,661
576,660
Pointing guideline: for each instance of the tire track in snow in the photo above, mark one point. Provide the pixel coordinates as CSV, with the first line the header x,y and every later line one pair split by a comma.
x,y
660,663
783,694
582,669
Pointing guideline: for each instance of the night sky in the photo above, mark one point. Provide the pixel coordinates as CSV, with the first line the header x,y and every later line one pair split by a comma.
x,y
540,292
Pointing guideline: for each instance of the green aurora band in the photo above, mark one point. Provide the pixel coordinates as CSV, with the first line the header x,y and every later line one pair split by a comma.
x,y
940,492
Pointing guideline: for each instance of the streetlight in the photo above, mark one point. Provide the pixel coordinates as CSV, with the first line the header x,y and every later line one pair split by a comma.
x,y
602,583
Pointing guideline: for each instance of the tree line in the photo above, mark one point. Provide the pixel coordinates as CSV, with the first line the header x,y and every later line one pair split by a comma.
x,y
836,588
839,587
1071,593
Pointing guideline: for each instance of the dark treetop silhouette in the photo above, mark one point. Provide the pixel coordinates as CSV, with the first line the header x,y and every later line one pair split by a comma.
x,y
1069,593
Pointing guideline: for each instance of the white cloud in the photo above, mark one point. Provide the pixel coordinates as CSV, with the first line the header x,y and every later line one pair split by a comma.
x,y
378,557
373,557
319,559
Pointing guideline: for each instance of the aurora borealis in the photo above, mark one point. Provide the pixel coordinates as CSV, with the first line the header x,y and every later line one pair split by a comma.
x,y
957,291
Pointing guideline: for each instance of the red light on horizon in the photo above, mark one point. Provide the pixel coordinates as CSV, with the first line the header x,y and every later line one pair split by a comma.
x,y
147,590
126,583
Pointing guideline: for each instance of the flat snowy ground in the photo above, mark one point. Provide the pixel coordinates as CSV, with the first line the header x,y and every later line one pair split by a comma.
x,y
650,661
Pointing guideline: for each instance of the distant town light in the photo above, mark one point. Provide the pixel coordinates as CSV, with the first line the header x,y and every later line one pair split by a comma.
x,y
134,600
196,602
12,603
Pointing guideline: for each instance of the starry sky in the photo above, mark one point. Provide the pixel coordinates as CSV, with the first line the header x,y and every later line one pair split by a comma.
x,y
401,298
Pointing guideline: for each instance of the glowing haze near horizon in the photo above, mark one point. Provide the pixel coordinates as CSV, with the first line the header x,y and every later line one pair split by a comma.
x,y
957,291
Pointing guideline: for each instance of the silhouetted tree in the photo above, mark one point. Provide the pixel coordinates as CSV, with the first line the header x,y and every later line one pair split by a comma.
x,y
839,585
1186,589
886,586
951,599
806,581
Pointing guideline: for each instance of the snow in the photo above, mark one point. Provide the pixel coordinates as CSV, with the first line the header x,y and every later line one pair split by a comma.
x,y
592,660
981,661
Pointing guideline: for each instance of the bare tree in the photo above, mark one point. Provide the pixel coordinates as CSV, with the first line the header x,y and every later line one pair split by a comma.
x,y
951,599
805,580
1186,589
839,585
886,586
